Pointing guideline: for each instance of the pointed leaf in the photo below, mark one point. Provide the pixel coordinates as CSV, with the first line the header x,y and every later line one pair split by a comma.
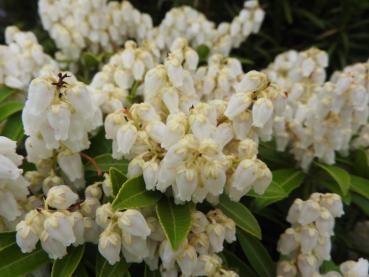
x,y
117,179
68,265
133,194
360,186
283,183
240,215
236,264
361,166
175,220
340,175
14,263
361,202
13,127
6,239
257,255
9,108
5,92
104,269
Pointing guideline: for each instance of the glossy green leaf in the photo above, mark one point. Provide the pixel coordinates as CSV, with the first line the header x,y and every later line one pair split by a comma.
x,y
5,92
133,194
175,220
67,266
14,263
257,255
360,186
236,264
105,161
80,271
328,266
341,176
361,166
104,269
9,108
90,60
361,202
6,239
241,215
13,127
117,179
283,183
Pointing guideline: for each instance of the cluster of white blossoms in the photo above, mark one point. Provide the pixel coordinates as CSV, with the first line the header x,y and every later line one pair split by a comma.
x,y
111,86
98,25
320,117
217,79
13,186
138,236
295,70
62,222
198,155
58,115
22,58
307,243
192,25
77,25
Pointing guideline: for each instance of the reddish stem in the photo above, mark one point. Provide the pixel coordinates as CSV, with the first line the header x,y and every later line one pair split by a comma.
x,y
93,162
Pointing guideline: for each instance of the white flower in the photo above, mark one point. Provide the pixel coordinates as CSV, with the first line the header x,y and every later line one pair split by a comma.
x,y
71,164
25,237
61,197
110,245
262,110
132,222
55,248
187,260
352,268
59,227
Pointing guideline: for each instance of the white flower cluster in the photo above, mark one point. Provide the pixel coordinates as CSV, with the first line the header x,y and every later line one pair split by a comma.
x,y
76,25
13,186
198,155
320,117
22,58
139,237
111,86
125,232
95,25
295,70
192,25
59,227
306,244
58,115
197,255
218,78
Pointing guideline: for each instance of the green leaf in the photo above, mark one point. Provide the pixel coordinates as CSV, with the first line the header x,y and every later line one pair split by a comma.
x,y
90,60
117,179
328,266
203,51
105,161
149,273
133,194
283,183
175,220
340,175
104,269
13,127
240,215
361,166
333,187
235,263
361,202
9,108
360,186
5,92
257,255
81,271
14,263
6,239
68,265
